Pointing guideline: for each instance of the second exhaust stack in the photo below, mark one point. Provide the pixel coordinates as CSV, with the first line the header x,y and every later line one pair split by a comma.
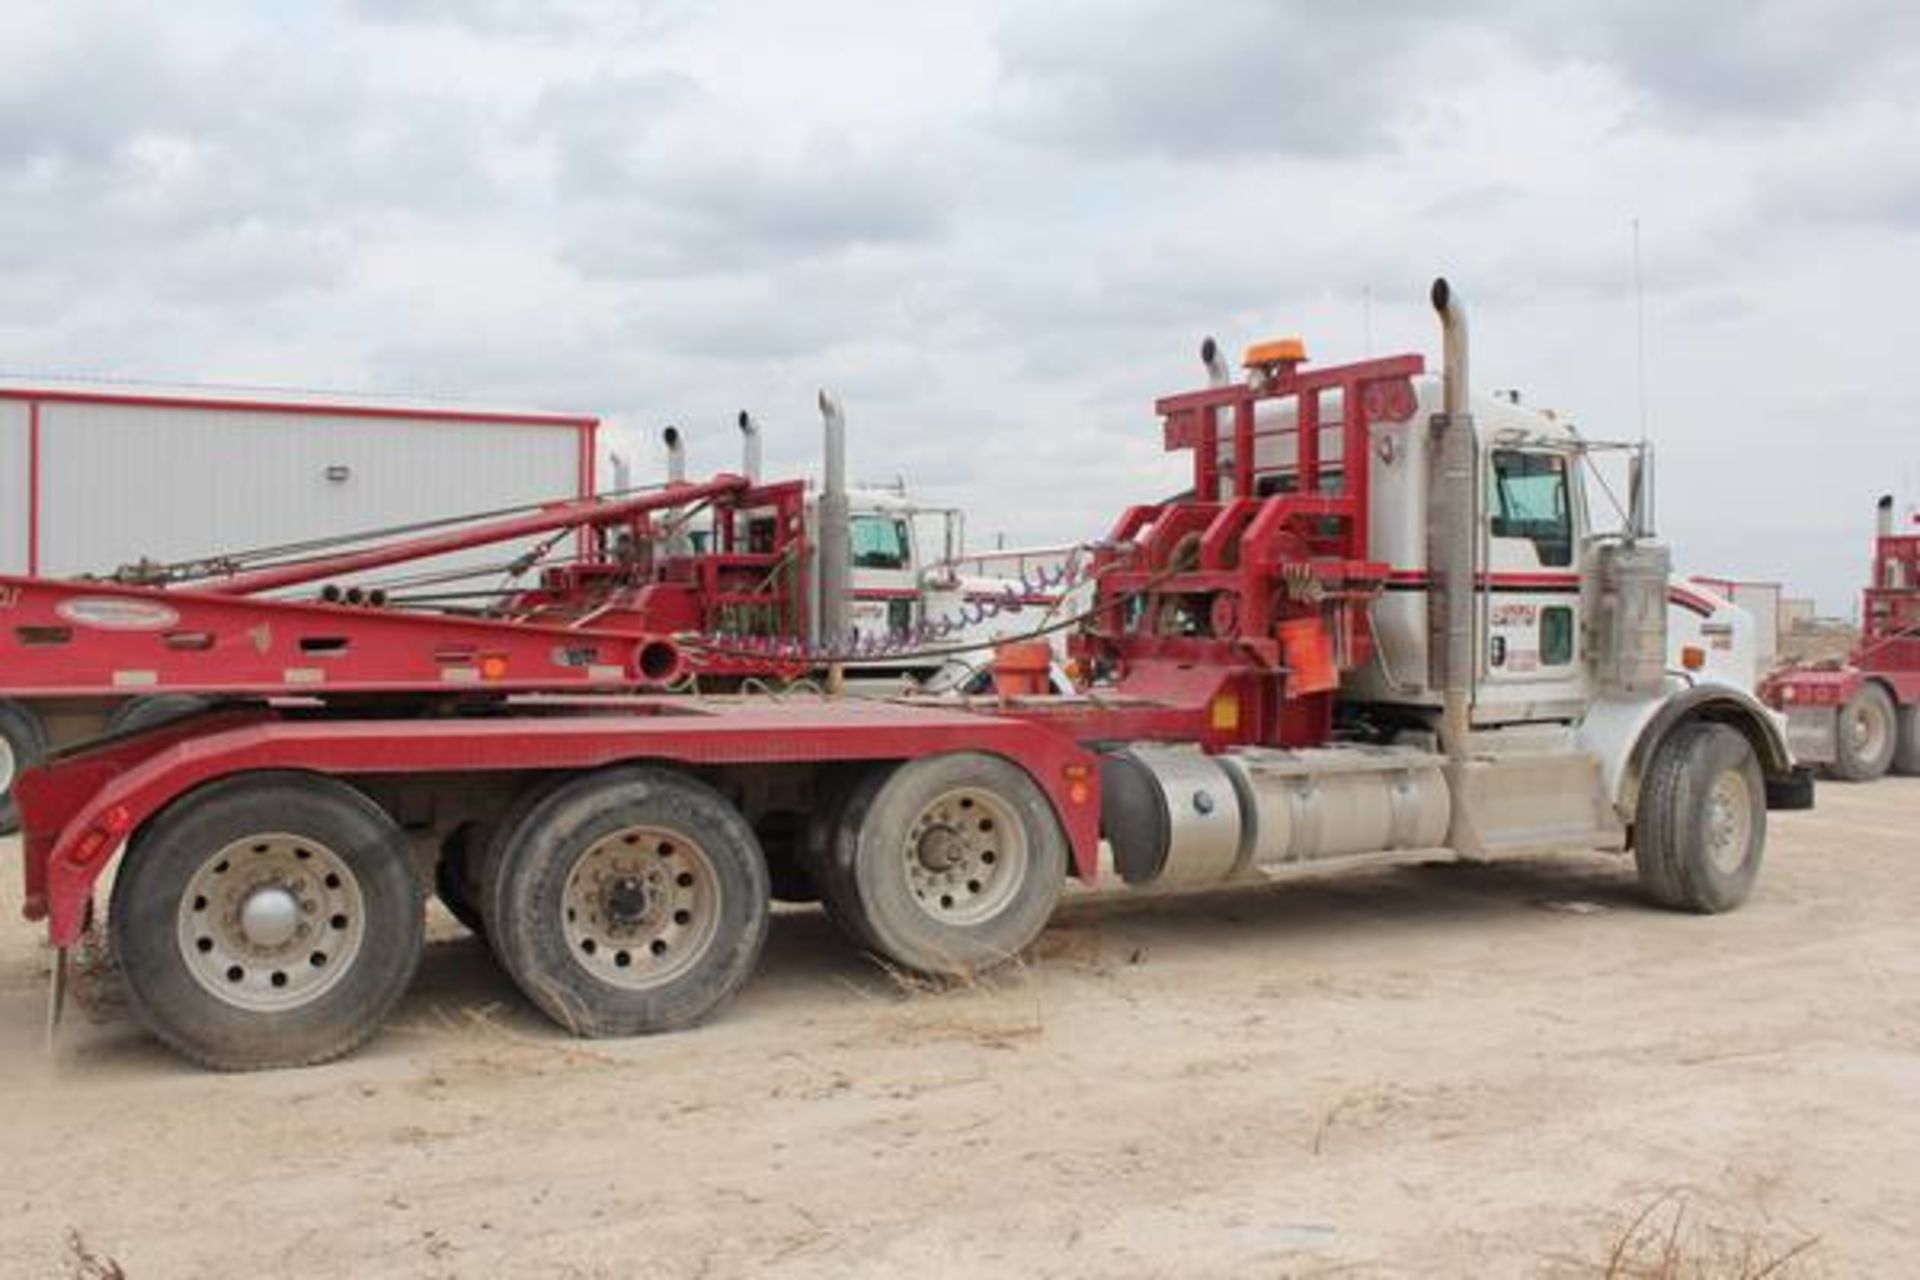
x,y
836,543
1453,454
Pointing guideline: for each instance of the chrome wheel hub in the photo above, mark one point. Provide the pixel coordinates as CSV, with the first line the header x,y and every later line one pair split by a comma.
x,y
640,907
1867,731
271,922
966,855
1729,821
7,764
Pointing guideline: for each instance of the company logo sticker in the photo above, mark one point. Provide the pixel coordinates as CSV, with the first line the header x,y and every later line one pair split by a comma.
x,y
107,614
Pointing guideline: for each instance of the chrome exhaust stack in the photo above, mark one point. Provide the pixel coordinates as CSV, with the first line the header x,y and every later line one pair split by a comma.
x,y
676,542
676,455
749,447
836,545
1453,485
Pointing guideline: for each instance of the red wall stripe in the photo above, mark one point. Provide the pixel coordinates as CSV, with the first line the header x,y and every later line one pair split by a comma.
x,y
306,408
33,486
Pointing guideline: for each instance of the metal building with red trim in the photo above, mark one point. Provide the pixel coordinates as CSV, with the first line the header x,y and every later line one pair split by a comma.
x,y
96,475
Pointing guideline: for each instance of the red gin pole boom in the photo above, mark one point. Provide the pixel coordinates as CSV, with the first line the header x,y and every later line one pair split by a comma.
x,y
563,515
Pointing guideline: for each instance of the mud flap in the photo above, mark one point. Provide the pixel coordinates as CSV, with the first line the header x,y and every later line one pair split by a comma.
x,y
1793,792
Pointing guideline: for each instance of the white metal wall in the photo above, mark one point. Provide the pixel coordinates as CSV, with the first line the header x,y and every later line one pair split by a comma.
x,y
171,482
14,513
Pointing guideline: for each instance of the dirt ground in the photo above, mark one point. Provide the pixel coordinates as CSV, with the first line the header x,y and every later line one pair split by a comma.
x,y
1416,1070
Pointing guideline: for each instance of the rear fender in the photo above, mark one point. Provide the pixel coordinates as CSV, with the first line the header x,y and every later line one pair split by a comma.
x,y
67,807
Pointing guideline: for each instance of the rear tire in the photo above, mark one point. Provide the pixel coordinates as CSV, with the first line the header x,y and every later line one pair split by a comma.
x,y
1866,735
832,838
957,863
1906,753
631,900
1701,830
23,744
269,920
453,878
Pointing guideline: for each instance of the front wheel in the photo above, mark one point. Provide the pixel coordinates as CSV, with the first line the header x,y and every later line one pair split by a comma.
x,y
1702,824
267,921
628,901
955,865
1866,735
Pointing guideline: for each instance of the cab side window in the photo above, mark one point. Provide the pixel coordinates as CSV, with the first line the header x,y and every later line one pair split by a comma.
x,y
1530,501
879,542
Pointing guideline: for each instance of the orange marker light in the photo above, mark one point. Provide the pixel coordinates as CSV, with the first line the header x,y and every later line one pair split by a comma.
x,y
1693,657
493,668
1277,351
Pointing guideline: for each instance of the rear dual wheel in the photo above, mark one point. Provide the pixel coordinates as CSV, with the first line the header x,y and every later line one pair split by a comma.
x,y
22,744
1906,752
627,901
1868,735
267,921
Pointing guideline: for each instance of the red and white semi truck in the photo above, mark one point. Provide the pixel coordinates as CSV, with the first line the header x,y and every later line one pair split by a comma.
x,y
1381,620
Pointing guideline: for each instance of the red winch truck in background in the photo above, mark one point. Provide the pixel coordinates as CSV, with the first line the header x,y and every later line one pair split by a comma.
x,y
1381,620
1861,717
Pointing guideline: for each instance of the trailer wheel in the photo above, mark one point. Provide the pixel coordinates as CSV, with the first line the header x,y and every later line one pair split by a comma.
x,y
1906,753
1866,735
453,874
271,920
1701,829
957,865
629,901
22,745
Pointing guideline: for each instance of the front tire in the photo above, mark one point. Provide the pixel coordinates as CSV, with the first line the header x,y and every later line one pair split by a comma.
x,y
270,920
1866,735
1701,830
956,864
629,901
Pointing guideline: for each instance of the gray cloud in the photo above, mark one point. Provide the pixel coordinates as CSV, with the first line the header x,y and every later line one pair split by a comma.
x,y
1754,60
1238,77
555,19
999,230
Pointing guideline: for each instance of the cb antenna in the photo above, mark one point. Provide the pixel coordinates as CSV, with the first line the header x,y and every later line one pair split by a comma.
x,y
1640,333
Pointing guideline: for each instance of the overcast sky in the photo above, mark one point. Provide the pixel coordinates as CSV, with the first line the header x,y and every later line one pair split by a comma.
x,y
999,230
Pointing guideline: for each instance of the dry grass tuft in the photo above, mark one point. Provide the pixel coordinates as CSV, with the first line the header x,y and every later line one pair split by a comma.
x,y
83,1263
974,1006
1665,1241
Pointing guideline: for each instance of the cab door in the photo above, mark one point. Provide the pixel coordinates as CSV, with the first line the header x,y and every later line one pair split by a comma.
x,y
1529,597
885,586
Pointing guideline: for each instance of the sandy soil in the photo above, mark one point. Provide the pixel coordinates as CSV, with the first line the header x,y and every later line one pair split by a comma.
x,y
1419,1070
